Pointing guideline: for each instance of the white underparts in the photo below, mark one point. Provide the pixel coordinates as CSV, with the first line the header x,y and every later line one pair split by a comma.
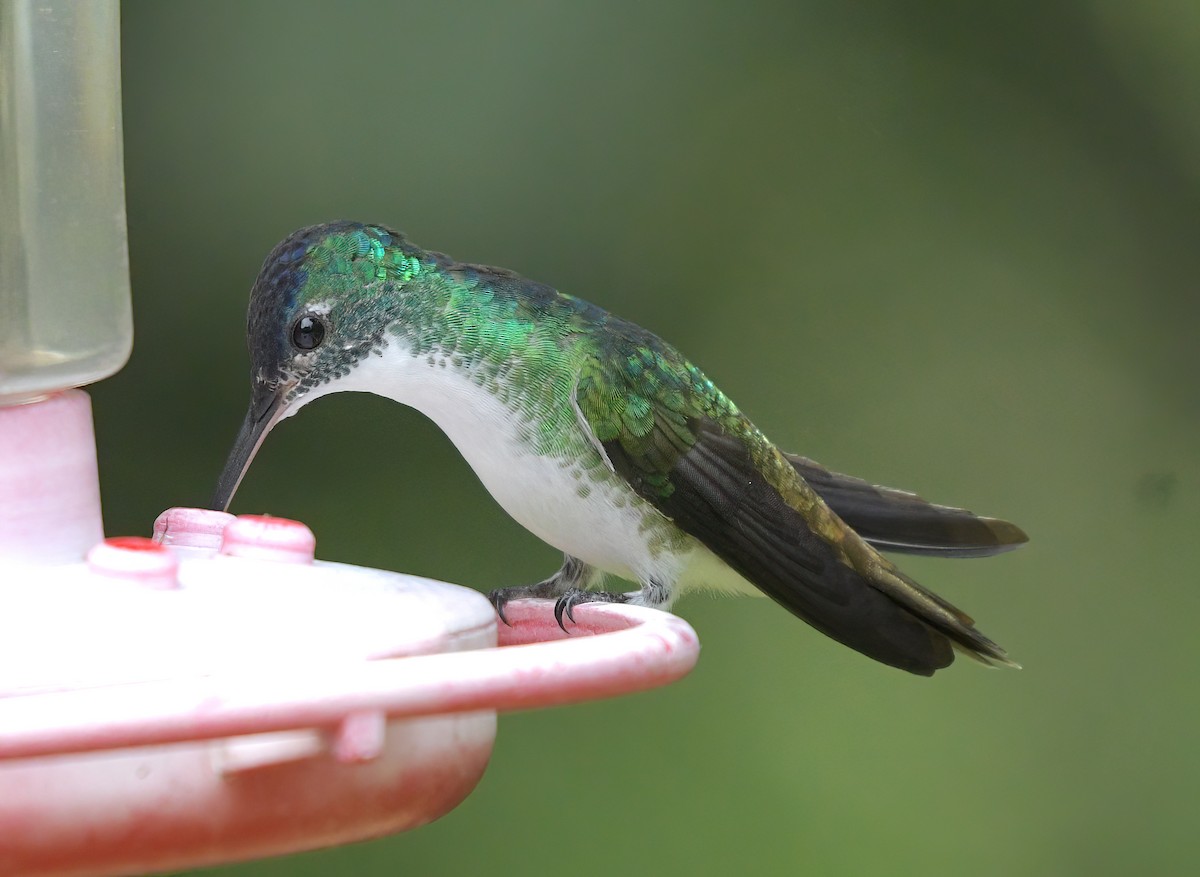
x,y
603,525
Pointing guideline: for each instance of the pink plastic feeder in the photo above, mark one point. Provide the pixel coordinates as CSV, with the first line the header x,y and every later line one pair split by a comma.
x,y
214,693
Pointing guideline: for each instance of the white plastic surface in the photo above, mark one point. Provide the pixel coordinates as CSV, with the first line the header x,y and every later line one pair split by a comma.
x,y
175,703
49,491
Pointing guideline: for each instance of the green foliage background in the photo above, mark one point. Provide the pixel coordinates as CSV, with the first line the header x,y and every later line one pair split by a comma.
x,y
946,246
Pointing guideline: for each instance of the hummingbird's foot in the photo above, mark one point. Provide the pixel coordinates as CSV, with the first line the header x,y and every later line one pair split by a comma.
x,y
565,605
549,589
573,575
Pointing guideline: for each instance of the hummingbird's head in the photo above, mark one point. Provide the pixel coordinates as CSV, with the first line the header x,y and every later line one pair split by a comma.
x,y
319,305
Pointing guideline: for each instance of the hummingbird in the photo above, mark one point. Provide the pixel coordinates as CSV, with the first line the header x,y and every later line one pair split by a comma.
x,y
602,440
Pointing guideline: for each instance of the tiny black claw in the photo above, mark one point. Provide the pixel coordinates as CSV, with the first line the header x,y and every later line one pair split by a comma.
x,y
560,606
565,605
498,600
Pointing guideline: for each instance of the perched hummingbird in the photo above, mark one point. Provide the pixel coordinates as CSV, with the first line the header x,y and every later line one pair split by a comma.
x,y
601,439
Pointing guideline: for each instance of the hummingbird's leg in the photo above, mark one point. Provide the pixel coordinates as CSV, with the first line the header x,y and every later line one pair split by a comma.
x,y
573,575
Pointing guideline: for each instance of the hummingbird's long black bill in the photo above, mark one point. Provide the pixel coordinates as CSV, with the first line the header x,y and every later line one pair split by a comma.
x,y
266,409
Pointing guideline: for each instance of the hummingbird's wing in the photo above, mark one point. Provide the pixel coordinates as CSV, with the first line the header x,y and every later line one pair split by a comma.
x,y
897,520
684,447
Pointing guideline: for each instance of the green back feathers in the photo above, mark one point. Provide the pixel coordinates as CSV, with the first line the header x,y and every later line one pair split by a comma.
x,y
539,351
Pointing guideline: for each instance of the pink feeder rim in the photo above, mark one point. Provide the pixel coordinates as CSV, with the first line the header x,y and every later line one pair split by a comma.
x,y
217,695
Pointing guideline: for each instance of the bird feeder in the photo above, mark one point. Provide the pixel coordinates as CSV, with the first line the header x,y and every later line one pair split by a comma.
x,y
212,693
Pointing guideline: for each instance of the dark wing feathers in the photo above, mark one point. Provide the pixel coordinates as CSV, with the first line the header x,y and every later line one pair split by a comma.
x,y
686,450
720,498
896,520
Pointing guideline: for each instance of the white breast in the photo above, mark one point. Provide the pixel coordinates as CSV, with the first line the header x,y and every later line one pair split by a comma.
x,y
542,493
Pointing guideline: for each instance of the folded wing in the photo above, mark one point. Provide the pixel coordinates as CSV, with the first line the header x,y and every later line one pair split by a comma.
x,y
684,448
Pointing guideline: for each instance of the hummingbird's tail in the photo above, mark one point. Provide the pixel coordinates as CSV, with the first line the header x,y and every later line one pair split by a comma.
x,y
901,521
765,521
897,520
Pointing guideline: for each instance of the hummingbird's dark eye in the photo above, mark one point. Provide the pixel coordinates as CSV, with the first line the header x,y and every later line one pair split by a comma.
x,y
308,333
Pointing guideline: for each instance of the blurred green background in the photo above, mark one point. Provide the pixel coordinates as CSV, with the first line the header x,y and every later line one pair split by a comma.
x,y
950,247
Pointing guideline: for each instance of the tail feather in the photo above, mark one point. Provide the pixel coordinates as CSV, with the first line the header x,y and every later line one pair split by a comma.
x,y
900,521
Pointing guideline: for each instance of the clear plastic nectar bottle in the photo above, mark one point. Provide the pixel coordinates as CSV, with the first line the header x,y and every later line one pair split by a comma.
x,y
65,317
